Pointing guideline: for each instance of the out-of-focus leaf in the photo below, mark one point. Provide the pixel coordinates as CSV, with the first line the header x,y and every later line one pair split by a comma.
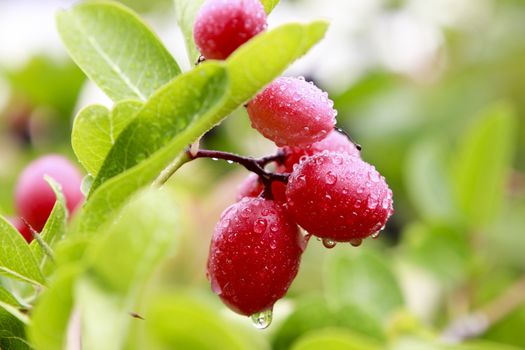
x,y
314,314
250,68
116,49
178,321
119,265
10,304
364,278
55,227
335,339
442,250
52,312
186,11
96,129
16,258
414,343
483,163
427,181
12,333
269,5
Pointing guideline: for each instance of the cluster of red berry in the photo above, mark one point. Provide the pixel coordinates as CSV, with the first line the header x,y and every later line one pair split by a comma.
x,y
34,197
324,186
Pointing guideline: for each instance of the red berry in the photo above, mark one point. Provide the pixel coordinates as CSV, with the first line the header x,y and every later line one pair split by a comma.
x,y
21,226
338,197
334,142
34,197
293,112
254,255
222,26
252,186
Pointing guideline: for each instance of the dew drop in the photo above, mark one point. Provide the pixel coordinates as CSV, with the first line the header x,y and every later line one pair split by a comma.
x,y
259,226
229,161
357,204
376,235
356,242
261,320
226,223
330,178
215,159
329,243
274,228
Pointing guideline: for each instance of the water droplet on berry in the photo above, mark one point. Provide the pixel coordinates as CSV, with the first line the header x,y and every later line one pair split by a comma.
x,y
330,178
307,129
372,203
265,212
215,287
297,97
356,242
329,243
226,223
374,176
85,186
357,204
263,319
376,235
259,226
274,228
360,190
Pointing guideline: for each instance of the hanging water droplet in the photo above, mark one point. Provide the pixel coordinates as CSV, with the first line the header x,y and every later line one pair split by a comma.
x,y
215,159
329,243
229,161
85,186
263,319
376,235
356,242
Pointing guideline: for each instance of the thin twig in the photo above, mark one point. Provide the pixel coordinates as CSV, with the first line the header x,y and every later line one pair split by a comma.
x,y
171,169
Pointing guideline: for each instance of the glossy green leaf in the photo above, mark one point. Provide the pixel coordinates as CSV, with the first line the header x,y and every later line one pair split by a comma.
x,y
314,314
116,49
186,11
269,5
252,67
96,129
335,339
483,163
12,333
55,227
178,322
119,265
10,304
52,313
16,258
365,279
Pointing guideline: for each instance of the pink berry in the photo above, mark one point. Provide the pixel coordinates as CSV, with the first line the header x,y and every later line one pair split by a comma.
x,y
222,26
334,142
292,112
21,226
34,197
338,197
252,186
254,255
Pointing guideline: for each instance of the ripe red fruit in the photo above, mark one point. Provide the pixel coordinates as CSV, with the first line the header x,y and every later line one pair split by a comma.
x,y
334,142
254,255
21,226
35,199
222,26
293,112
338,197
252,186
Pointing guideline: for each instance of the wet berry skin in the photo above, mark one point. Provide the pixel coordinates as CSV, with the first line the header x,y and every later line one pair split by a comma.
x,y
252,186
34,198
24,230
254,255
221,26
334,142
292,112
338,197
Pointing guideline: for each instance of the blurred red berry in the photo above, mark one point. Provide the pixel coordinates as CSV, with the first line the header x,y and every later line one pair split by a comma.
x,y
252,186
292,112
338,197
221,26
254,255
35,199
21,226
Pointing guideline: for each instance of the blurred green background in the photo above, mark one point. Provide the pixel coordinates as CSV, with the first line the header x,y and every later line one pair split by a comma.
x,y
433,90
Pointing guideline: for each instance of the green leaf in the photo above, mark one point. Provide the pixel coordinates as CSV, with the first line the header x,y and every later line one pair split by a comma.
x,y
55,227
96,129
52,311
185,12
12,333
335,339
250,68
269,5
365,279
119,265
177,322
166,114
314,314
16,258
10,304
7,298
483,163
116,50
